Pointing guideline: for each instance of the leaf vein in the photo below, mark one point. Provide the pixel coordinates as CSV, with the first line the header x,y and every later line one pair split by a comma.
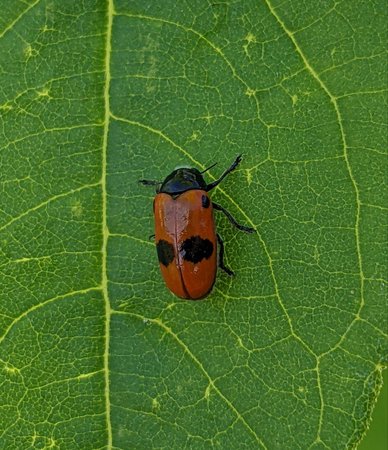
x,y
46,202
44,303
12,24
333,99
198,363
104,222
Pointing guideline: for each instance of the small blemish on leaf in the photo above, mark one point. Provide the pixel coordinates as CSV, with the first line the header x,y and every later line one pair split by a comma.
x,y
45,92
208,118
250,38
207,391
30,52
11,370
195,136
316,255
302,393
5,107
46,29
249,176
77,209
123,305
250,92
155,404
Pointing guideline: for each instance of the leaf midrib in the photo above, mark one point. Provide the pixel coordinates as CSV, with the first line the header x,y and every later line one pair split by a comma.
x,y
105,230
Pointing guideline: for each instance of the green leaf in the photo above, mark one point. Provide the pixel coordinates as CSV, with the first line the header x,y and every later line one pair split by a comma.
x,y
94,351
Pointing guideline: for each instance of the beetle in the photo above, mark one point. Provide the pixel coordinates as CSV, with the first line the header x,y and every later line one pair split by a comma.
x,y
185,233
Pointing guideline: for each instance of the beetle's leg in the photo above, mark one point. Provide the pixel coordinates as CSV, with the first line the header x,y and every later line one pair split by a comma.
x,y
221,264
227,171
232,220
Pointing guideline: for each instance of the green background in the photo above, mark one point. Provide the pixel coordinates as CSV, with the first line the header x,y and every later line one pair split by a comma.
x,y
94,351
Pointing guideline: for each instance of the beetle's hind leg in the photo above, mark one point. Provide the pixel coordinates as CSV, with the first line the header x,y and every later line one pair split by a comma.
x,y
232,220
221,252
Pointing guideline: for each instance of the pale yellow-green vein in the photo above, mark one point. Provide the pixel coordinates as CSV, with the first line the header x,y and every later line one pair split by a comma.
x,y
43,304
105,231
198,363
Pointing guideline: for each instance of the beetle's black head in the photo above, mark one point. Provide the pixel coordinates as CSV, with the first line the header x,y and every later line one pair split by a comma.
x,y
182,180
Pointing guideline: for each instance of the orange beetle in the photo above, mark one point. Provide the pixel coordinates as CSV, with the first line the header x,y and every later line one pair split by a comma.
x,y
185,234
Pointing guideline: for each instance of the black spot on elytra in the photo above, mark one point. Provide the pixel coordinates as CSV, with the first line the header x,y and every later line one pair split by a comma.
x,y
195,249
205,201
165,252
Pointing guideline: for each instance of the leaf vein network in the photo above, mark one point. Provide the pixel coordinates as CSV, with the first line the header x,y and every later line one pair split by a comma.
x,y
334,101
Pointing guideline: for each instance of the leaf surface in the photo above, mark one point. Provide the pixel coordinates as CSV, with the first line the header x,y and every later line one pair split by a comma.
x,y
94,351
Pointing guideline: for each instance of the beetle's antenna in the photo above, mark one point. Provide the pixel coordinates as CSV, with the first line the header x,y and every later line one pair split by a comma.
x,y
209,168
149,182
